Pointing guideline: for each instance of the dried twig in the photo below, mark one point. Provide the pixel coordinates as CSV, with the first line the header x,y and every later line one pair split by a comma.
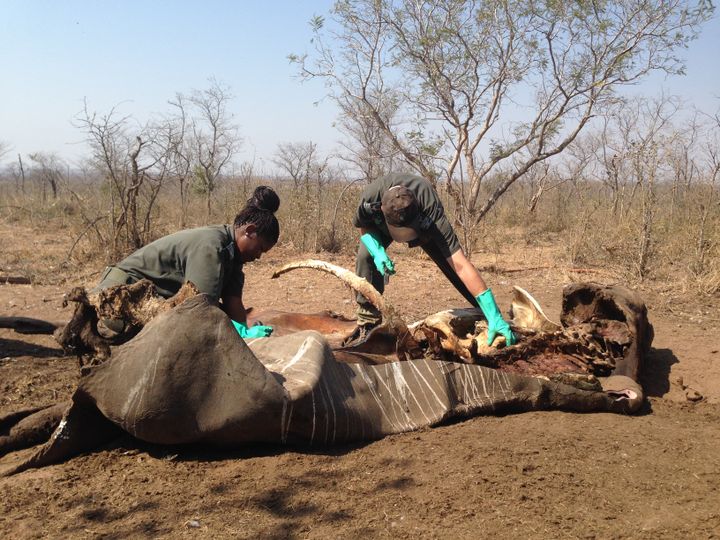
x,y
85,230
496,269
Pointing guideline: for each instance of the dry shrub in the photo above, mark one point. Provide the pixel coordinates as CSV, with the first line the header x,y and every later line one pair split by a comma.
x,y
577,219
684,238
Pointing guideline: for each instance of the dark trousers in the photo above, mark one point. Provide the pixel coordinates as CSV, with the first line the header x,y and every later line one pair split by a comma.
x,y
365,268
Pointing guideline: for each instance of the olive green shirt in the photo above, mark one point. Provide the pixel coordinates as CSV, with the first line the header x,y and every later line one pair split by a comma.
x,y
436,228
207,256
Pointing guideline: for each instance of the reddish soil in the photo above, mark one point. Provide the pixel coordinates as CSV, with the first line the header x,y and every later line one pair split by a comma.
x,y
533,475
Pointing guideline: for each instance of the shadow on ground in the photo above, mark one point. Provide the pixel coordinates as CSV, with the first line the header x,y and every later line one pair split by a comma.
x,y
14,348
655,378
207,454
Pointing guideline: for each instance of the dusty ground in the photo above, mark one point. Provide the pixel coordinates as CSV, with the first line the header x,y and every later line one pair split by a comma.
x,y
536,475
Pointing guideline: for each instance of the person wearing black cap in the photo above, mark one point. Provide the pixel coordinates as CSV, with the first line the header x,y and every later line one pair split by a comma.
x,y
406,208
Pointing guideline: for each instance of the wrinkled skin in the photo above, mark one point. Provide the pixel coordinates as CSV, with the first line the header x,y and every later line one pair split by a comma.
x,y
293,389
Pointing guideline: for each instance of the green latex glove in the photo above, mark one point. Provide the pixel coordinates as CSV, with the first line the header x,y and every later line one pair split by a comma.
x,y
256,331
382,262
496,323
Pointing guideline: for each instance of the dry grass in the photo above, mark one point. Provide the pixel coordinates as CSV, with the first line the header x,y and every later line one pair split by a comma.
x,y
582,231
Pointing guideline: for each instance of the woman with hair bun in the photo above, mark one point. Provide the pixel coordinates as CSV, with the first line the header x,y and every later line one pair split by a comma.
x,y
211,257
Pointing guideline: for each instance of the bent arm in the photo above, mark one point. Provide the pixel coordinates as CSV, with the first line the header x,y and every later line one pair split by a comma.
x,y
484,297
467,272
370,230
235,309
372,240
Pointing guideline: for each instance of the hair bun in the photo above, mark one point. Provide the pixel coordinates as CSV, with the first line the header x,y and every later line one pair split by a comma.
x,y
265,198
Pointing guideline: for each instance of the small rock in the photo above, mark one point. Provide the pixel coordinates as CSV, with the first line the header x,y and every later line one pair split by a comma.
x,y
693,395
526,469
192,524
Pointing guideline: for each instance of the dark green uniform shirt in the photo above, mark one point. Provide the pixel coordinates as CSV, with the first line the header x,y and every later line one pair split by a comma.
x,y
435,226
207,256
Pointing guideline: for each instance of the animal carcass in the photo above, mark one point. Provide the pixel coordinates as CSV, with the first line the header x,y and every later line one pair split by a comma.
x,y
187,377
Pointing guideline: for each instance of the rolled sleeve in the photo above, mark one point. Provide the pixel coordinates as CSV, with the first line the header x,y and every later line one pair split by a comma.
x,y
362,219
444,236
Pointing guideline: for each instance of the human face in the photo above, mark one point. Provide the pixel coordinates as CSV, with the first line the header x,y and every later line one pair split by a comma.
x,y
250,245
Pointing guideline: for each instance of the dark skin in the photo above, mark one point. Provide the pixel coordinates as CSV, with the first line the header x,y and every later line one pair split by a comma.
x,y
250,246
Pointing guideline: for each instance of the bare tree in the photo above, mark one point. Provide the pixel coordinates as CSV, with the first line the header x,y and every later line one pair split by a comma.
x,y
708,208
683,163
135,161
332,243
368,147
181,153
246,173
4,149
214,137
296,160
453,69
611,160
647,137
21,173
308,171
540,180
50,171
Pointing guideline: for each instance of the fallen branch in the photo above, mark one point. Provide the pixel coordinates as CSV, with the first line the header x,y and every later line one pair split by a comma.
x,y
15,280
13,207
496,269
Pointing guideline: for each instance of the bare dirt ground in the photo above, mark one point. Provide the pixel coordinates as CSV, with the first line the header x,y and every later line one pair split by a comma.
x,y
533,475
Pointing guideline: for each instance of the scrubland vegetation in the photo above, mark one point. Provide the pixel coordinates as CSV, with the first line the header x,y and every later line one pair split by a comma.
x,y
639,198
521,114
626,185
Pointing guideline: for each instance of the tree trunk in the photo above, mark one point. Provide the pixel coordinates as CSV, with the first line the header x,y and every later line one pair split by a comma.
x,y
22,173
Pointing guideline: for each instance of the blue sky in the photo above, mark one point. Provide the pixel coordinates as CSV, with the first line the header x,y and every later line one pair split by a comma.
x,y
138,54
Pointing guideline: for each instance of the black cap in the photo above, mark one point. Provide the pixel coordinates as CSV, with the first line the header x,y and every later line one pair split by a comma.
x,y
399,206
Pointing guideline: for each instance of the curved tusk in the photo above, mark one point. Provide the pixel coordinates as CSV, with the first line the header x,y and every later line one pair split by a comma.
x,y
406,346
352,280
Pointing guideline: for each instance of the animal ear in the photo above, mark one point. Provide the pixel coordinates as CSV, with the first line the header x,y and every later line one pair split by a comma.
x,y
527,313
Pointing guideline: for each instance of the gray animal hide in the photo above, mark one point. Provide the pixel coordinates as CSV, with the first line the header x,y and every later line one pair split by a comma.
x,y
188,377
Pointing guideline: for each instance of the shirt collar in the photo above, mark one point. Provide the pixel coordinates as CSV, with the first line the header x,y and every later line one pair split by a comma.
x,y
231,247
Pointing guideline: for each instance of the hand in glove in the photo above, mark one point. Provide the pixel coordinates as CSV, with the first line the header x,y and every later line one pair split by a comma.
x,y
382,262
496,323
254,332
